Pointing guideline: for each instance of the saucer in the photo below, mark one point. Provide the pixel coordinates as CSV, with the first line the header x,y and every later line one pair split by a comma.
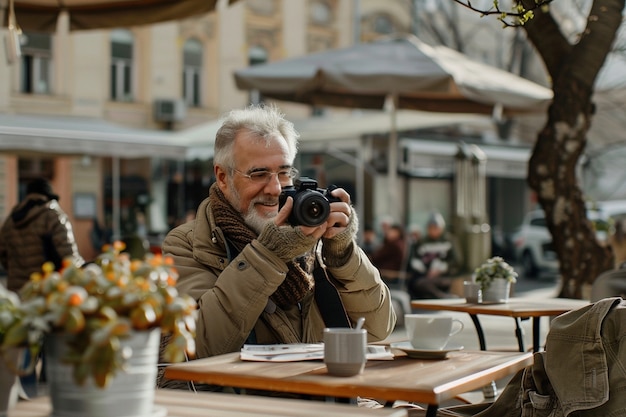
x,y
411,352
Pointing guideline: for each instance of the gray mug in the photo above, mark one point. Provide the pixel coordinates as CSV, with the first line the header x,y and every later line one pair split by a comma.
x,y
345,350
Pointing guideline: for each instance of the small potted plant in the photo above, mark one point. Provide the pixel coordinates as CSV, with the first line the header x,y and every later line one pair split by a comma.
x,y
495,277
100,327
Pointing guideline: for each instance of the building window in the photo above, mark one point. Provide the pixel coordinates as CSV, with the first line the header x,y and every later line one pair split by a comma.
x,y
257,55
121,65
36,68
192,70
383,24
320,13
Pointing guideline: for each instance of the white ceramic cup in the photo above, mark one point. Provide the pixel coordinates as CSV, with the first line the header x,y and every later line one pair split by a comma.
x,y
345,350
430,331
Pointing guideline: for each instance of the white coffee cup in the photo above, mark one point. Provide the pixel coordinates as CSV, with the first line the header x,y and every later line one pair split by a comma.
x,y
430,331
345,350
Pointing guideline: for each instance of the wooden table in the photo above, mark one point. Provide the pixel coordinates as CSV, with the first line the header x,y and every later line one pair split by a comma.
x,y
176,403
415,380
517,308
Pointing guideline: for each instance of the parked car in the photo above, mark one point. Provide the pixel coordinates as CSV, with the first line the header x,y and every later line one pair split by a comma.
x,y
533,242
533,246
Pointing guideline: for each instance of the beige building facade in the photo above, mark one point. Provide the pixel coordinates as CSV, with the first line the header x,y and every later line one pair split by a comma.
x,y
158,78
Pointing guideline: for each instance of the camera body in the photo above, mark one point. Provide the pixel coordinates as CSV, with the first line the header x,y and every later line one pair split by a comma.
x,y
311,205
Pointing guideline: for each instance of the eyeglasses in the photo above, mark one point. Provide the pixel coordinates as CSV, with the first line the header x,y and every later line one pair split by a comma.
x,y
264,177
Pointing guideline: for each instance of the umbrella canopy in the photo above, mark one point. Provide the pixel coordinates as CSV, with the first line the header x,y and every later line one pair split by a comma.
x,y
418,76
41,15
411,73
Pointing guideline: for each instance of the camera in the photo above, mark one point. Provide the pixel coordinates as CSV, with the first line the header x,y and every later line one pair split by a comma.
x,y
311,205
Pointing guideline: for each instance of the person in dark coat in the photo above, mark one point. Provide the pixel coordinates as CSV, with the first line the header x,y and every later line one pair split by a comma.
x,y
36,231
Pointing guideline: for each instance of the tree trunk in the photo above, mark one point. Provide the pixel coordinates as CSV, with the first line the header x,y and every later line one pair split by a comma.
x,y
561,142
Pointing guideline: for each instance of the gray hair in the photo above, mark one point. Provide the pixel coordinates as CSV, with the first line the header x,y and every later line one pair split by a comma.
x,y
264,121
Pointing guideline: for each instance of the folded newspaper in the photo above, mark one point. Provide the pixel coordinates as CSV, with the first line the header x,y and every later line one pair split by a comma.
x,y
293,352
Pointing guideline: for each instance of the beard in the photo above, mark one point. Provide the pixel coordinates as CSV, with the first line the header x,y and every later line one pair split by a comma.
x,y
251,217
256,221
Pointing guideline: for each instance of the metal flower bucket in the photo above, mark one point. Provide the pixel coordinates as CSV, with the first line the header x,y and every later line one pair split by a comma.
x,y
129,394
497,292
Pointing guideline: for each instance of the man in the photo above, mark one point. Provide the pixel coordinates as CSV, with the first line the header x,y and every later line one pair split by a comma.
x,y
256,278
36,231
432,262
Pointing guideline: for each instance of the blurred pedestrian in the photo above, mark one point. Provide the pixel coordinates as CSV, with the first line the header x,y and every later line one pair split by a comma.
x,y
432,262
36,231
413,238
389,257
369,243
617,240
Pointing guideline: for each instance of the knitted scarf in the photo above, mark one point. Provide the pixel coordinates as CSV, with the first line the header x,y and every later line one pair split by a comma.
x,y
299,280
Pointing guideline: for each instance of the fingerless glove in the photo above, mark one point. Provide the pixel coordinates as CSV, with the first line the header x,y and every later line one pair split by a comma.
x,y
338,249
285,241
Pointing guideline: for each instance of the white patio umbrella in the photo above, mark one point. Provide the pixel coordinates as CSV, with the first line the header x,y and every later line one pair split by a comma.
x,y
402,71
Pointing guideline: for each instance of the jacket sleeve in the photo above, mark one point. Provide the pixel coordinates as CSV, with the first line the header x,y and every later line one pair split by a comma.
x,y
364,294
3,250
230,299
62,234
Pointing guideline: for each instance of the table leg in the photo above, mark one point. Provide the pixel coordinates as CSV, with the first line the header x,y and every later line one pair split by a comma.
x,y
431,411
479,332
519,333
536,333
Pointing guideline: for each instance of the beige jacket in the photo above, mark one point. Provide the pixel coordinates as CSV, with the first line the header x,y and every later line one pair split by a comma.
x,y
21,245
233,294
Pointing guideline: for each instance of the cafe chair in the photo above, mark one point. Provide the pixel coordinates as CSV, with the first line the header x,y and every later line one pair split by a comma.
x,y
610,283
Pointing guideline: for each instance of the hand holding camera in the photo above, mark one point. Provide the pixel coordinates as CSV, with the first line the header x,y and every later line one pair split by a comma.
x,y
311,205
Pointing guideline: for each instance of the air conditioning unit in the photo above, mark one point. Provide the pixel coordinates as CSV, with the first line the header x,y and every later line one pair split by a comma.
x,y
169,110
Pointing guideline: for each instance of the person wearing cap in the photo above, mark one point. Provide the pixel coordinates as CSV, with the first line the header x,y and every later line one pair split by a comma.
x,y
432,262
36,230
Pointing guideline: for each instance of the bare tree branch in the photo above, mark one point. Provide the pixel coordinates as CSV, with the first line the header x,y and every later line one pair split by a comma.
x,y
520,16
546,36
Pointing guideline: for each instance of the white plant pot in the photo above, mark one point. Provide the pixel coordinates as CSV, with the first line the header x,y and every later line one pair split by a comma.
x,y
129,394
497,292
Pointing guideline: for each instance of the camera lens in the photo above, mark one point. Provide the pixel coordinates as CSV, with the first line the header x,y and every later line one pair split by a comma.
x,y
314,210
310,208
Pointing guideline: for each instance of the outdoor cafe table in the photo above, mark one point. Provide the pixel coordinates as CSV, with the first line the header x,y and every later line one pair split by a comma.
x,y
517,308
177,403
425,381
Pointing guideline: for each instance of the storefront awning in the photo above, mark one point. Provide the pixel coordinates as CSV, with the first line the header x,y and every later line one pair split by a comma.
x,y
318,131
67,135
